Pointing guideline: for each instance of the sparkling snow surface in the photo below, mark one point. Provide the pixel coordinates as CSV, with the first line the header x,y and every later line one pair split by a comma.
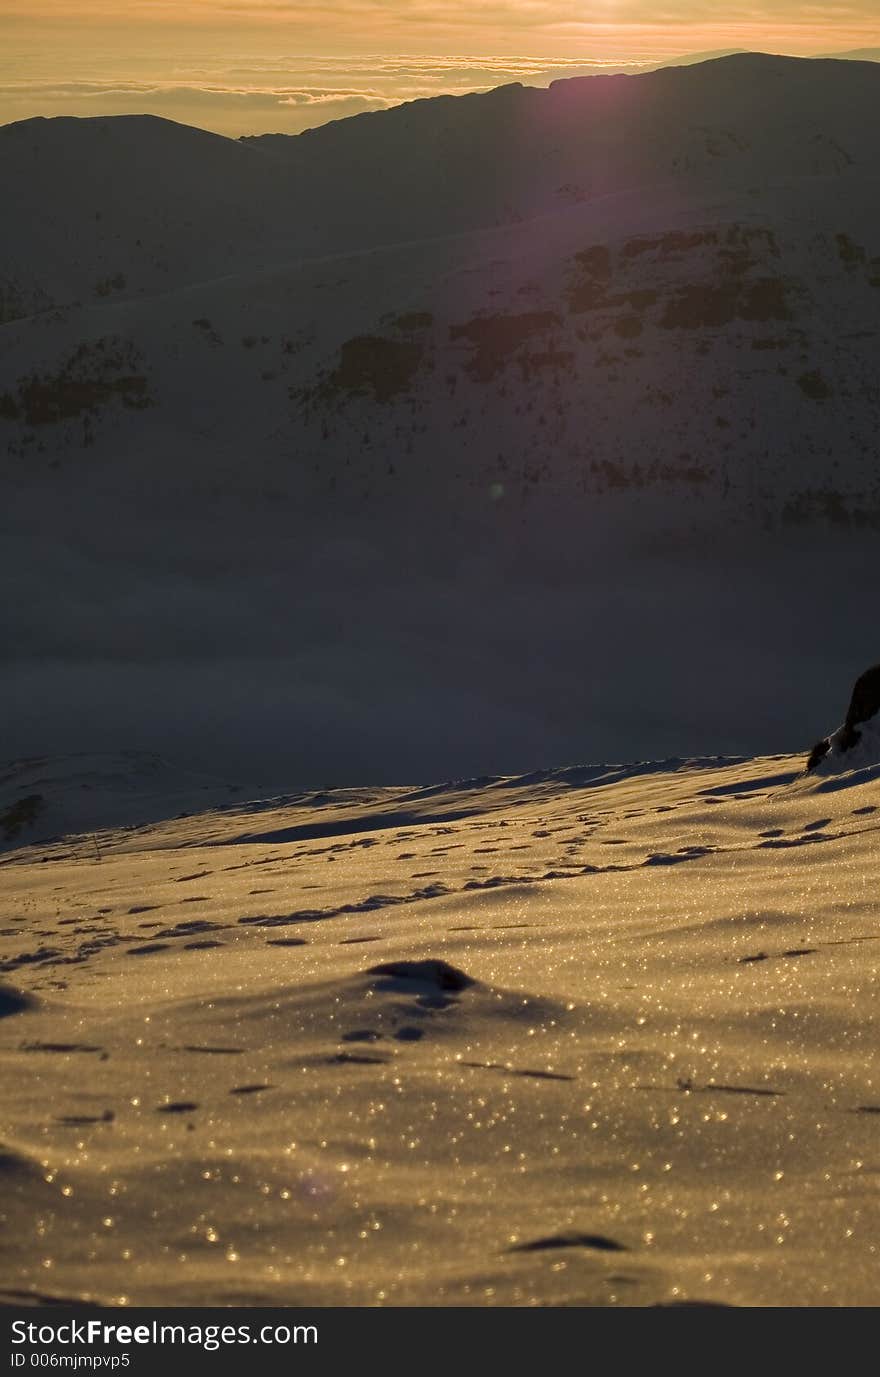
x,y
646,1072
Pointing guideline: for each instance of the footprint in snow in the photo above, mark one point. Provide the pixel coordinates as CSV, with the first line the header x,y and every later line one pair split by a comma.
x,y
14,1001
571,1239
432,976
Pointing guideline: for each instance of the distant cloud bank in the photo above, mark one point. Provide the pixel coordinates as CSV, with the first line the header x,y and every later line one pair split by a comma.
x,y
254,94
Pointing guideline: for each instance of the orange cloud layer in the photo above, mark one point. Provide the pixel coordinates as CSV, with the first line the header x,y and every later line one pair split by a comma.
x,y
600,27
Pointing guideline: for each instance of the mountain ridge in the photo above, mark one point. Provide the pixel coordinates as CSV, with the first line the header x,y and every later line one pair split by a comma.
x,y
331,439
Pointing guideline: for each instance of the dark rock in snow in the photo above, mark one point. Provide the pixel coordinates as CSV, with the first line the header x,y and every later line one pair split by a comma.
x,y
863,705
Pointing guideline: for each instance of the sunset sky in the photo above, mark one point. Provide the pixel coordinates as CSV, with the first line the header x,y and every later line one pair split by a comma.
x,y
243,66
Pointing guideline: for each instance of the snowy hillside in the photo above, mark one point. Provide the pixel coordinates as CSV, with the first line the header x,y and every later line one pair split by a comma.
x,y
591,1037
551,383
153,202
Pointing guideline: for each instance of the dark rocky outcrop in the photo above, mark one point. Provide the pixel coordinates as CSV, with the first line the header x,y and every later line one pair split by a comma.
x,y
863,705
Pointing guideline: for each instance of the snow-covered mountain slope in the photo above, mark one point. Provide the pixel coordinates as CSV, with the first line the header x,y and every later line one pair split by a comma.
x,y
541,400
738,121
116,206
108,207
590,1037
729,356
670,304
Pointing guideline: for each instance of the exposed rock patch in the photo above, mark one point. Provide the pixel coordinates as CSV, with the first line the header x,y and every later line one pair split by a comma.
x,y
863,707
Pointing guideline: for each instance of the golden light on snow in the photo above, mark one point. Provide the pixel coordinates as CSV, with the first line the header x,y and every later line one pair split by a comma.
x,y
642,1052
